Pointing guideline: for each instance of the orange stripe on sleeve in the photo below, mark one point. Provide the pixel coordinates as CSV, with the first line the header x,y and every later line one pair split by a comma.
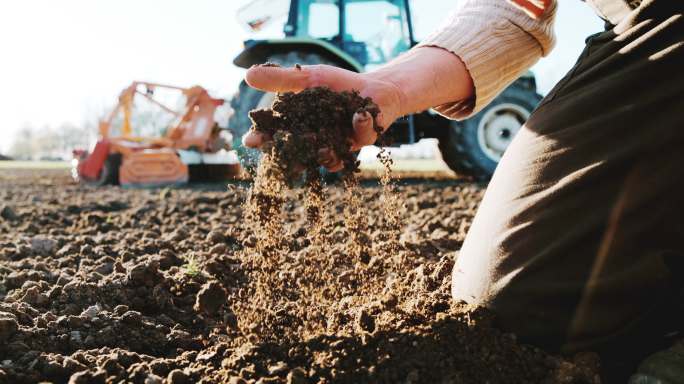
x,y
535,8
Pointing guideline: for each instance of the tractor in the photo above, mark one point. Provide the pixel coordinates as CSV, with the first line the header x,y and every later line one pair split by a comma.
x,y
190,148
359,35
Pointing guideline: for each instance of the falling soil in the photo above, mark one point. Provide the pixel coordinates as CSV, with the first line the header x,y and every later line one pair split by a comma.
x,y
302,125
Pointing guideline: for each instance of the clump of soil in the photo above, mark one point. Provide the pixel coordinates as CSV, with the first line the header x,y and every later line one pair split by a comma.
x,y
303,123
210,298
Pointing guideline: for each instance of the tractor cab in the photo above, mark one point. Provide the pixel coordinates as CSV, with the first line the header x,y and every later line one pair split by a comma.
x,y
371,31
362,33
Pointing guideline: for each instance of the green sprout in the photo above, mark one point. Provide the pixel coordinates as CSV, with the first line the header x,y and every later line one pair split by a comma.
x,y
191,268
165,193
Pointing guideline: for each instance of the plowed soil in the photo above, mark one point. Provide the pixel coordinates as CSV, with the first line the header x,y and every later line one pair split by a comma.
x,y
167,286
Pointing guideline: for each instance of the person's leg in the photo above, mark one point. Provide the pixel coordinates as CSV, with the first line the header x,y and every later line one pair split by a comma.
x,y
575,242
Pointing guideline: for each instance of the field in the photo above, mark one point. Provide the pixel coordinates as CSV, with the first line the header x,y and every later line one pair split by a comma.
x,y
33,165
168,286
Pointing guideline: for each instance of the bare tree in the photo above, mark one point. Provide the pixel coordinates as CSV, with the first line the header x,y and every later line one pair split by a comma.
x,y
22,146
72,136
53,143
58,142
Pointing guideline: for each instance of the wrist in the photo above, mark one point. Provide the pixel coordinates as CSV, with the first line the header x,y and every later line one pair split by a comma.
x,y
393,100
426,77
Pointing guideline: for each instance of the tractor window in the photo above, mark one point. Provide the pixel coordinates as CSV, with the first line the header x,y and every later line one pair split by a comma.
x,y
381,25
319,19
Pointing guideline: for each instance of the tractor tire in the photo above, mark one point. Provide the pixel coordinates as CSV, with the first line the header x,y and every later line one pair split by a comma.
x,y
109,175
248,98
473,147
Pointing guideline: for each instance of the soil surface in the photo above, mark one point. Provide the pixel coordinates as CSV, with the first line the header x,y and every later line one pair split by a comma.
x,y
168,286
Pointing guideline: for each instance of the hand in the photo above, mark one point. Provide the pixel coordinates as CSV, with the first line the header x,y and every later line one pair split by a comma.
x,y
386,94
422,78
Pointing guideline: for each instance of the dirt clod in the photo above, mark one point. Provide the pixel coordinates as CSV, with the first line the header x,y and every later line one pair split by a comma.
x,y
7,213
301,124
365,321
210,298
178,377
43,245
8,326
297,376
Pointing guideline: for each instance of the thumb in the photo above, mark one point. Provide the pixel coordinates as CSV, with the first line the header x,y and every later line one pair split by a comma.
x,y
272,78
277,79
255,139
364,131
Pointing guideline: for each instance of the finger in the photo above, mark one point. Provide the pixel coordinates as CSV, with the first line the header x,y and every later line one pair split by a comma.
x,y
336,167
380,122
254,139
328,159
295,79
364,133
324,156
277,79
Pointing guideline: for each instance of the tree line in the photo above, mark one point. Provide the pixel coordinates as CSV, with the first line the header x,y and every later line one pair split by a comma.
x,y
50,143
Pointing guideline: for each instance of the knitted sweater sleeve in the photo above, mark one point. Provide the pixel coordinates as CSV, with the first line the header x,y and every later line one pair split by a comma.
x,y
497,40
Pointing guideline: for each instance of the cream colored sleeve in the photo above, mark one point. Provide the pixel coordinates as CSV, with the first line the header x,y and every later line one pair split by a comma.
x,y
497,41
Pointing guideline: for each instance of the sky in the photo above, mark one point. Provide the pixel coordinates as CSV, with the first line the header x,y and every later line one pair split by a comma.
x,y
65,61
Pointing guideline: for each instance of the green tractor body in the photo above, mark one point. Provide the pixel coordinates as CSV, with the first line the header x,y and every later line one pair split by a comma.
x,y
259,51
360,35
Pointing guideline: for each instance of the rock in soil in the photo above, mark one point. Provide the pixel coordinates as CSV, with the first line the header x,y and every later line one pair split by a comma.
x,y
8,326
210,298
178,377
43,245
7,213
321,317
